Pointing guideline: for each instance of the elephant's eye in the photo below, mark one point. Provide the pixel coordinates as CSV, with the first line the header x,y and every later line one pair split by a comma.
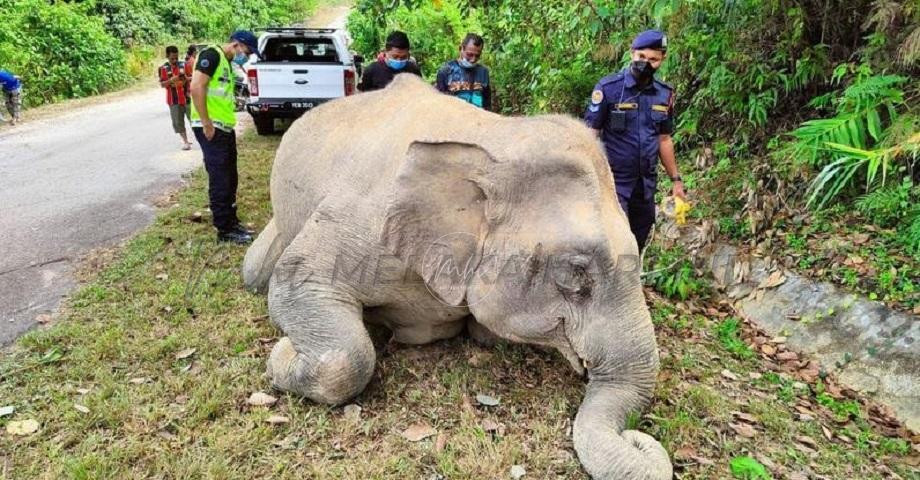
x,y
576,283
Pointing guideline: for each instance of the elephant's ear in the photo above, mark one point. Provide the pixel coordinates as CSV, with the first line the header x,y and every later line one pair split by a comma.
x,y
435,218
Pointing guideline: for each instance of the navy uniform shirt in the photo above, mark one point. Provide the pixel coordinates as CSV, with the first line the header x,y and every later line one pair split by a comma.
x,y
631,145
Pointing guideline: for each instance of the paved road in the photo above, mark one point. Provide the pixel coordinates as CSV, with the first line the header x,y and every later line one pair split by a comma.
x,y
79,180
82,180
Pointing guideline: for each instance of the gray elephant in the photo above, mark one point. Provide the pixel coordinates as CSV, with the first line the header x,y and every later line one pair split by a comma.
x,y
416,211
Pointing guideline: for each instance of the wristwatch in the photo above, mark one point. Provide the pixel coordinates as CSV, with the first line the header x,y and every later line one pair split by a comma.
x,y
677,179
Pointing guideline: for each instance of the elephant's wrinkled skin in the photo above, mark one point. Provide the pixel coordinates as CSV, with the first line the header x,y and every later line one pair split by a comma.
x,y
380,198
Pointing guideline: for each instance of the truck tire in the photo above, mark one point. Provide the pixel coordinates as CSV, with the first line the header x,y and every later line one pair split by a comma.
x,y
265,124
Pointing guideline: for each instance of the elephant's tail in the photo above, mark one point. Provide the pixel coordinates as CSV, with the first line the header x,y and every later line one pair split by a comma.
x,y
261,258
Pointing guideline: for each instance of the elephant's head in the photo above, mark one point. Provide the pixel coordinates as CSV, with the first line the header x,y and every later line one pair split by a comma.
x,y
521,225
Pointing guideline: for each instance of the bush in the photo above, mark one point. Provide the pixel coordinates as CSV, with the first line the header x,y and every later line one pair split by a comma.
x,y
65,50
58,50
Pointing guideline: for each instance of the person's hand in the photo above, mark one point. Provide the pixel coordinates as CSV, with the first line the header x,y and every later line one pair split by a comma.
x,y
209,131
678,190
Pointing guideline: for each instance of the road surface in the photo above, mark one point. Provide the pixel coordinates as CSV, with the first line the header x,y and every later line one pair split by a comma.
x,y
82,180
74,182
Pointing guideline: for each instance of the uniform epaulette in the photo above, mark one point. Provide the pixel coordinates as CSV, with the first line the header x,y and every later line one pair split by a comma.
x,y
663,84
613,77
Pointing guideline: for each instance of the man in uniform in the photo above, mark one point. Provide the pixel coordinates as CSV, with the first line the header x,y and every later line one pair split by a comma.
x,y
633,114
394,60
213,119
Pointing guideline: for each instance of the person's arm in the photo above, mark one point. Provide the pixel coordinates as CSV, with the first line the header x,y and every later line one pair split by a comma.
x,y
365,84
441,82
669,161
487,93
199,91
165,82
596,113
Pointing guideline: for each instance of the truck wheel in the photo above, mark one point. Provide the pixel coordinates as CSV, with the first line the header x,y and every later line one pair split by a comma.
x,y
265,125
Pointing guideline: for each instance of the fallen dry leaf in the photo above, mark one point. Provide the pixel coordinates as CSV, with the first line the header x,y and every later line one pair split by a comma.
x,y
418,432
807,441
440,443
277,419
7,410
787,356
81,408
188,352
353,412
24,427
827,433
745,417
162,276
774,280
82,391
768,349
486,400
261,399
743,429
43,318
729,375
139,380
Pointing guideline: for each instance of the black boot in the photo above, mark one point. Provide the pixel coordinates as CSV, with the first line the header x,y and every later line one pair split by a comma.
x,y
234,236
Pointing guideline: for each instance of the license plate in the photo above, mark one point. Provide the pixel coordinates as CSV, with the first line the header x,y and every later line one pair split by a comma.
x,y
302,104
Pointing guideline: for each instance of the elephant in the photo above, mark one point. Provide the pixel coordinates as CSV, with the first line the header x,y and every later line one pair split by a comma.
x,y
414,210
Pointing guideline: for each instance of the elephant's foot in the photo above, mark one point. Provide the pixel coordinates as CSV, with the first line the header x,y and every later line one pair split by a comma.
x,y
482,335
333,376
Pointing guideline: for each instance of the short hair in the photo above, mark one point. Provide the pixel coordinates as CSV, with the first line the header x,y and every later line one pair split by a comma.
x,y
473,38
397,39
172,49
191,50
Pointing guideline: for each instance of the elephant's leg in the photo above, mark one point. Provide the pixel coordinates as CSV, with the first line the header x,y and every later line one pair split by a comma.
x,y
327,355
480,334
261,258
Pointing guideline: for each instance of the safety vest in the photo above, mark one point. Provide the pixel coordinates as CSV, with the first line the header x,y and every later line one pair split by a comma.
x,y
220,98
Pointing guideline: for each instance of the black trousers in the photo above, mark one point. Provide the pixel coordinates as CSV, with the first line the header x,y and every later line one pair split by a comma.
x,y
640,208
220,162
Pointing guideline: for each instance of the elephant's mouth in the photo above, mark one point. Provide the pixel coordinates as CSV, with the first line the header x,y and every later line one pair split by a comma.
x,y
577,363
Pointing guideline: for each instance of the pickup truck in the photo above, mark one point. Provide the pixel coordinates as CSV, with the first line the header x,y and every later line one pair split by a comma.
x,y
300,69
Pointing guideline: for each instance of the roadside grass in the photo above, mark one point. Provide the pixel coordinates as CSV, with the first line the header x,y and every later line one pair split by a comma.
x,y
156,409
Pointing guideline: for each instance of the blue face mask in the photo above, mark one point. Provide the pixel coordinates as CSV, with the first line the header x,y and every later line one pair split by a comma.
x,y
465,63
240,58
396,64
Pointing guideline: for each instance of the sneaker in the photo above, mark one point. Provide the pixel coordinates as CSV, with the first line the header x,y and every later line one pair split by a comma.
x,y
234,236
241,229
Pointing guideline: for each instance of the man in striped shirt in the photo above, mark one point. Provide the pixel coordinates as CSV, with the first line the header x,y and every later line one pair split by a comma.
x,y
174,79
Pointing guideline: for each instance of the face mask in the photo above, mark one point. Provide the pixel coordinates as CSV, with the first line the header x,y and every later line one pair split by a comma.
x,y
465,63
396,64
240,58
642,70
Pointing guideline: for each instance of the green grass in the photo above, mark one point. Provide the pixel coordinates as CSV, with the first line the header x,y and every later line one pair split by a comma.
x,y
152,415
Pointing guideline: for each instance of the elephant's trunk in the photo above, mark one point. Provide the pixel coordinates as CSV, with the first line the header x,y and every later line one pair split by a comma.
x,y
606,450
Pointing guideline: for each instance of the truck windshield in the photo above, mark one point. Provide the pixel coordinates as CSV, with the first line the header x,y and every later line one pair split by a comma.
x,y
300,50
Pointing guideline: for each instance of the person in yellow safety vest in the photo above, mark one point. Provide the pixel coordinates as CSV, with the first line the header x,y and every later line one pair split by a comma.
x,y
213,119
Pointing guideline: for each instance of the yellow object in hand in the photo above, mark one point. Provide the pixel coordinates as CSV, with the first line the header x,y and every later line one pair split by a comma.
x,y
681,209
676,208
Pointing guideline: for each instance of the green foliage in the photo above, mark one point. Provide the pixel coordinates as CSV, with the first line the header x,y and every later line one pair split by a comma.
x,y
852,145
746,468
729,333
887,205
673,275
58,50
75,49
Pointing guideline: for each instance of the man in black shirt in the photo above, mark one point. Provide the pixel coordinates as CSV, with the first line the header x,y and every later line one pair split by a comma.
x,y
394,60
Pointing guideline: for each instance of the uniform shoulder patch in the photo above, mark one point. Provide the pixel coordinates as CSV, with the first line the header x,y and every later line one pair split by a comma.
x,y
597,97
204,62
